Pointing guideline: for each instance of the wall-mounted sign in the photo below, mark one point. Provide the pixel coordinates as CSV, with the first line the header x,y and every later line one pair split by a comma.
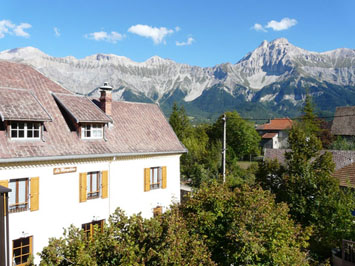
x,y
64,170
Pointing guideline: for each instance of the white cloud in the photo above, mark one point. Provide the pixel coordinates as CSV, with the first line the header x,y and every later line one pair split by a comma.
x,y
259,27
56,31
7,27
112,37
156,34
177,28
283,24
19,30
189,41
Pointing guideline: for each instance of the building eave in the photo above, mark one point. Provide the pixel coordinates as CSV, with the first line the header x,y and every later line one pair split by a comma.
x,y
87,156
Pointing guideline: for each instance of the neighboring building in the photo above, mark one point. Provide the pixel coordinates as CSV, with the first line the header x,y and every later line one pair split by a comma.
x,y
72,160
274,134
344,164
344,122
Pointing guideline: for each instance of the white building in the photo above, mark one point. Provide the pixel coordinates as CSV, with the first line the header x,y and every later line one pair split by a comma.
x,y
73,160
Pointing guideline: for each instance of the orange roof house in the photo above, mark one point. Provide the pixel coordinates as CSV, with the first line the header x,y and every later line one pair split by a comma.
x,y
274,134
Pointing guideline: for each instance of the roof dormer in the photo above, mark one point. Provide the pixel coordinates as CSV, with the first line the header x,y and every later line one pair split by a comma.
x,y
89,119
22,114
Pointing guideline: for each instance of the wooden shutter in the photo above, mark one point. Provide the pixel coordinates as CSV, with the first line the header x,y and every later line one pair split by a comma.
x,y
82,187
146,179
163,185
157,211
4,183
34,199
104,183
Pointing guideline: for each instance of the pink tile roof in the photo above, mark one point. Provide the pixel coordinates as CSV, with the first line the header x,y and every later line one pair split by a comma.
x,y
277,124
81,108
268,135
21,105
137,128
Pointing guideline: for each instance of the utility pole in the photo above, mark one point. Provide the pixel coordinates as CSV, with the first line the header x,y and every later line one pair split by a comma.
x,y
224,146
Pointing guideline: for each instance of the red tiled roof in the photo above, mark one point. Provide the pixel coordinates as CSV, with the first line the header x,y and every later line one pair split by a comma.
x,y
21,105
137,128
81,108
277,124
346,175
268,135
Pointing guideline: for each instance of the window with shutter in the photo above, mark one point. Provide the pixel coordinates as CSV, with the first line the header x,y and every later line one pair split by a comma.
x,y
155,178
93,185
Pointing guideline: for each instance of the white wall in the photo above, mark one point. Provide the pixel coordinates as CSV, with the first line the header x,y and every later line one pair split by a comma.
x,y
59,205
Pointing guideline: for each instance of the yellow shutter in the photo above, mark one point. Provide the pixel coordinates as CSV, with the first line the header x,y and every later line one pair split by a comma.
x,y
31,244
104,184
163,185
82,187
146,179
34,200
4,183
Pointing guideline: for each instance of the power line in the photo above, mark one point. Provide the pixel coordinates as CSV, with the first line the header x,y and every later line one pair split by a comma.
x,y
296,118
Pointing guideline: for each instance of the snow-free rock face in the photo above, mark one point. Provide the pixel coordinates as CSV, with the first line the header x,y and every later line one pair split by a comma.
x,y
260,76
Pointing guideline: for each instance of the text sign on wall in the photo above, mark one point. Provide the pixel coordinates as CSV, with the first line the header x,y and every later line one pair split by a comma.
x,y
64,170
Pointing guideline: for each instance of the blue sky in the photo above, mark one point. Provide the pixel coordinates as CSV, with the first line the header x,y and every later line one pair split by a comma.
x,y
203,33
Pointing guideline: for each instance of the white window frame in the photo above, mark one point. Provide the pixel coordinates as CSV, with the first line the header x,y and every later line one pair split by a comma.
x,y
156,177
26,130
93,130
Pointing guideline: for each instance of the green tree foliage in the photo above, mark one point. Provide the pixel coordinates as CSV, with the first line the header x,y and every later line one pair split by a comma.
x,y
242,137
313,195
245,226
163,240
343,144
180,122
309,122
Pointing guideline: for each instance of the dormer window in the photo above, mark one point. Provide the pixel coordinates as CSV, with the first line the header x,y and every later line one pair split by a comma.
x,y
25,130
92,131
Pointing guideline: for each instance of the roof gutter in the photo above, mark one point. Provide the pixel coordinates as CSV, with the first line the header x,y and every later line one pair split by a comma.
x,y
87,156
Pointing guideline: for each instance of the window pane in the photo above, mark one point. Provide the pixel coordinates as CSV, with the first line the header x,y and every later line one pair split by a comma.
x,y
29,125
36,125
29,134
94,181
88,183
12,194
14,133
22,191
36,134
21,133
21,125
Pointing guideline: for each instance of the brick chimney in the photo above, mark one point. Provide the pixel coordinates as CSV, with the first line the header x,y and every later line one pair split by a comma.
x,y
106,98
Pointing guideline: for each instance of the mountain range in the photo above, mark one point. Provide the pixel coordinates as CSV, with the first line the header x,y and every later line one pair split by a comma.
x,y
270,81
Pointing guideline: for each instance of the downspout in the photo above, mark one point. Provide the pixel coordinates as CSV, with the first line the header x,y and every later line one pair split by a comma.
x,y
109,185
7,229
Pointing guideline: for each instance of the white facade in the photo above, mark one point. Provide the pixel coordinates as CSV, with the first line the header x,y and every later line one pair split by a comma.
x,y
59,204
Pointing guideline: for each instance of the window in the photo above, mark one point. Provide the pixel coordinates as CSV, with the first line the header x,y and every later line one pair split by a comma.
x,y
92,131
89,228
19,195
93,185
25,130
155,178
24,194
21,250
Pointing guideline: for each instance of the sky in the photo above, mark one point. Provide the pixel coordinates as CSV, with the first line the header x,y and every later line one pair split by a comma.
x,y
195,32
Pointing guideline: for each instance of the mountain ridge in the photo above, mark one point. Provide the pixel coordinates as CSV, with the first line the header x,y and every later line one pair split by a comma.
x,y
259,77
